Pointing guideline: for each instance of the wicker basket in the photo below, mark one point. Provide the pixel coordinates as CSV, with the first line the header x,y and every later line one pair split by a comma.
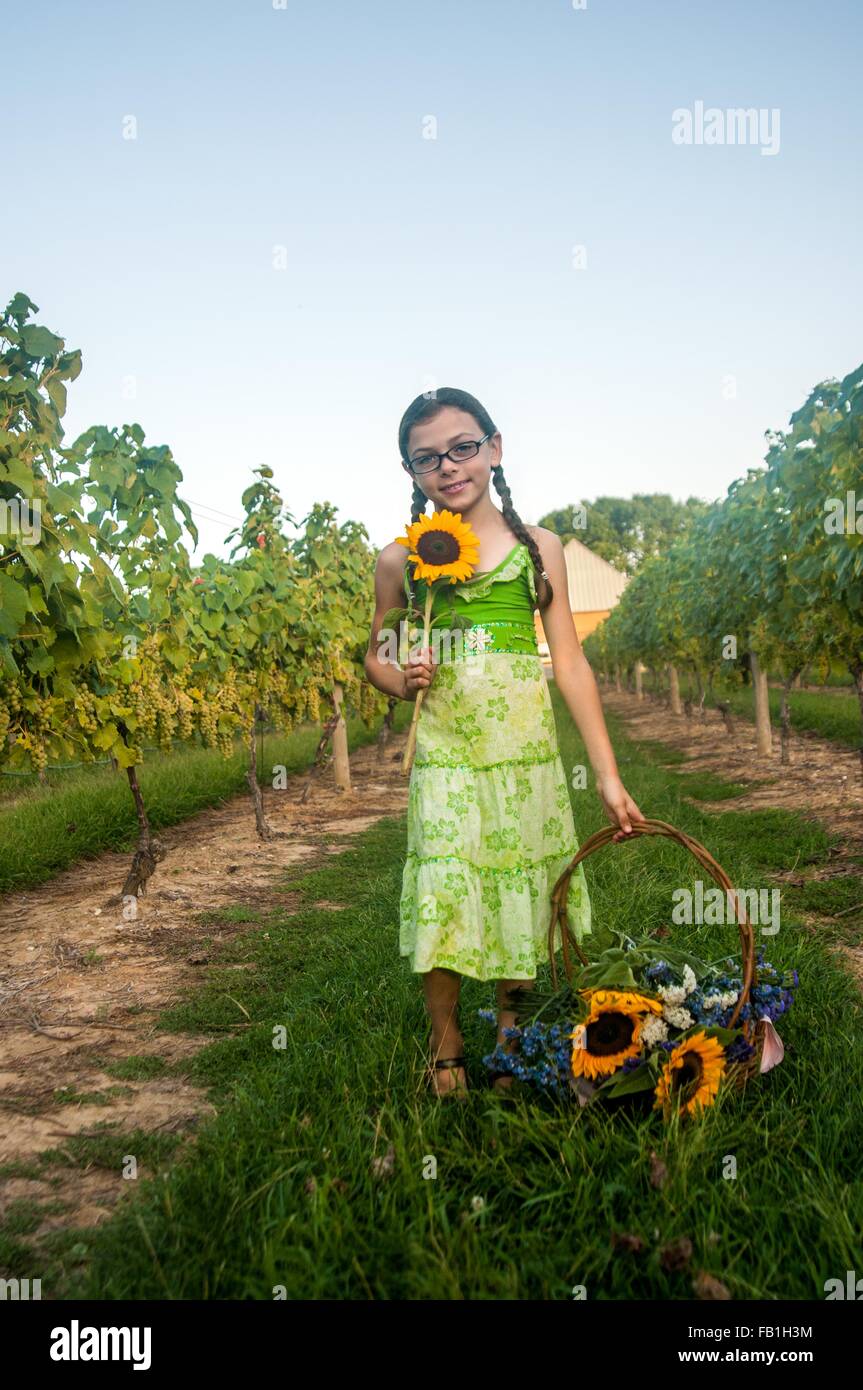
x,y
559,915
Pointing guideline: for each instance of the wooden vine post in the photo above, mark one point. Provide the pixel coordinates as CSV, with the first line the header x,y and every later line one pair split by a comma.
x,y
674,689
763,733
262,825
341,761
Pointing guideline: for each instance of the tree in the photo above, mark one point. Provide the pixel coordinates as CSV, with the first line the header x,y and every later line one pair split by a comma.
x,y
626,530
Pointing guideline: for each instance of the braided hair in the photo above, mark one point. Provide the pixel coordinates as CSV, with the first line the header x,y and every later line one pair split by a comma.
x,y
425,408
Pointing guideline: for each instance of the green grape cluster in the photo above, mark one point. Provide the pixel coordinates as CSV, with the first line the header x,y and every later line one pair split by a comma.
x,y
372,703
10,695
144,696
185,715
42,723
208,723
84,707
313,704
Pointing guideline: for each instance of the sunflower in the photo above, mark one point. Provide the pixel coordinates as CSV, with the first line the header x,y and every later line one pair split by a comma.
x,y
692,1073
611,1032
622,999
442,546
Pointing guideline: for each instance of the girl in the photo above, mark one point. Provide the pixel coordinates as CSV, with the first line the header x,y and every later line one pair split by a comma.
x,y
490,825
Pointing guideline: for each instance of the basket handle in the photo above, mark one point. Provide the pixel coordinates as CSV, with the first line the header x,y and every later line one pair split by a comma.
x,y
560,912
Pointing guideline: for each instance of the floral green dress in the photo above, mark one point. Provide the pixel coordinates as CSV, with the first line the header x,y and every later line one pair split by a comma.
x,y
490,827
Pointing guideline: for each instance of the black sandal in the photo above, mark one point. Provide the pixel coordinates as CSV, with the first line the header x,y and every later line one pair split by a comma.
x,y
493,1074
443,1064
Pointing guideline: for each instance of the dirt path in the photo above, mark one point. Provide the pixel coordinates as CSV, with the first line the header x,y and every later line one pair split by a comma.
x,y
81,987
821,781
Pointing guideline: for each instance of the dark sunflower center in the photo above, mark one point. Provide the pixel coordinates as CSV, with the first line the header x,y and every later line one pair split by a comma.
x,y
688,1074
438,548
609,1034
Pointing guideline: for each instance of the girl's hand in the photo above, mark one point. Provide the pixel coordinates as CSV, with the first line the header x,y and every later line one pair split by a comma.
x,y
619,805
418,673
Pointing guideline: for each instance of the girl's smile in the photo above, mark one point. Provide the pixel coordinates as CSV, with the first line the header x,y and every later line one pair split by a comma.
x,y
452,489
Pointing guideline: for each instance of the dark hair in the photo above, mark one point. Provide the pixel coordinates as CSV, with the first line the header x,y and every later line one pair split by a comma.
x,y
425,408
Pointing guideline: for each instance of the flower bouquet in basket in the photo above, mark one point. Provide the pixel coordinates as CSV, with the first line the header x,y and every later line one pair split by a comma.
x,y
644,1018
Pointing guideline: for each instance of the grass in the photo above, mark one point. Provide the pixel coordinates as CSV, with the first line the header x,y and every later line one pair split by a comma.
x,y
80,814
330,1171
705,786
834,716
701,784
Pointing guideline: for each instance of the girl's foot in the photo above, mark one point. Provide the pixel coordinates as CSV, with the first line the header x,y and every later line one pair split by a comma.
x,y
506,1019
447,1072
448,1075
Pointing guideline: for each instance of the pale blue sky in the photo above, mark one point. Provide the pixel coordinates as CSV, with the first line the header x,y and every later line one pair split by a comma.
x,y
413,262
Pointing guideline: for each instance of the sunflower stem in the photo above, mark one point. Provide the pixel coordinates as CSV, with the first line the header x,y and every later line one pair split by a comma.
x,y
412,734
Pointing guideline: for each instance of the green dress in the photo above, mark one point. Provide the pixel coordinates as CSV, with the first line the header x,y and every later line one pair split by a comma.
x,y
490,827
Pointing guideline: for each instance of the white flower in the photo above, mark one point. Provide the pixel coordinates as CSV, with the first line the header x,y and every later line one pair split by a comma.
x,y
672,994
677,1017
720,1001
653,1031
477,638
675,994
477,1203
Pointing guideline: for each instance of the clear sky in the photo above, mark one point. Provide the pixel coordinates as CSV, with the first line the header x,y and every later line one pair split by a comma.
x,y
716,286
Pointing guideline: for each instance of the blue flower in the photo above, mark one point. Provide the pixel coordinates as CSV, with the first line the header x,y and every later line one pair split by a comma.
x,y
739,1050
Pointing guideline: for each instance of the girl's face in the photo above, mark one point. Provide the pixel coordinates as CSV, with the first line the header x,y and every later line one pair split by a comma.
x,y
456,486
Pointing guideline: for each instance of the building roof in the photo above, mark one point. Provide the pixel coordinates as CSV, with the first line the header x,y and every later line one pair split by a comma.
x,y
594,585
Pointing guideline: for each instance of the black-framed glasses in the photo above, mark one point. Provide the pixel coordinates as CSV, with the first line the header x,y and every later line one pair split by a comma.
x,y
427,463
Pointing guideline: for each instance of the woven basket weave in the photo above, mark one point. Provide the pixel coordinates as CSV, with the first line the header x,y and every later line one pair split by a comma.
x,y
559,916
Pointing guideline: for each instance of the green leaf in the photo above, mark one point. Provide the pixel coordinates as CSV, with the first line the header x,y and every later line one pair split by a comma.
x,y
16,471
7,660
393,617
609,974
724,1035
39,342
57,393
628,1083
67,652
14,605
40,662
62,500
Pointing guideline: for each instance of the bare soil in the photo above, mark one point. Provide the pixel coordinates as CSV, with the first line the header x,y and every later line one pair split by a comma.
x,y
822,780
81,986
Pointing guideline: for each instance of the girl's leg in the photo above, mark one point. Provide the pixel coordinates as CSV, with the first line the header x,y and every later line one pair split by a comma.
x,y
442,989
506,1019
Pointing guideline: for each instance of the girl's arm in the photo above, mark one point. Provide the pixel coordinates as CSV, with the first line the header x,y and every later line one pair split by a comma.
x,y
381,659
576,683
